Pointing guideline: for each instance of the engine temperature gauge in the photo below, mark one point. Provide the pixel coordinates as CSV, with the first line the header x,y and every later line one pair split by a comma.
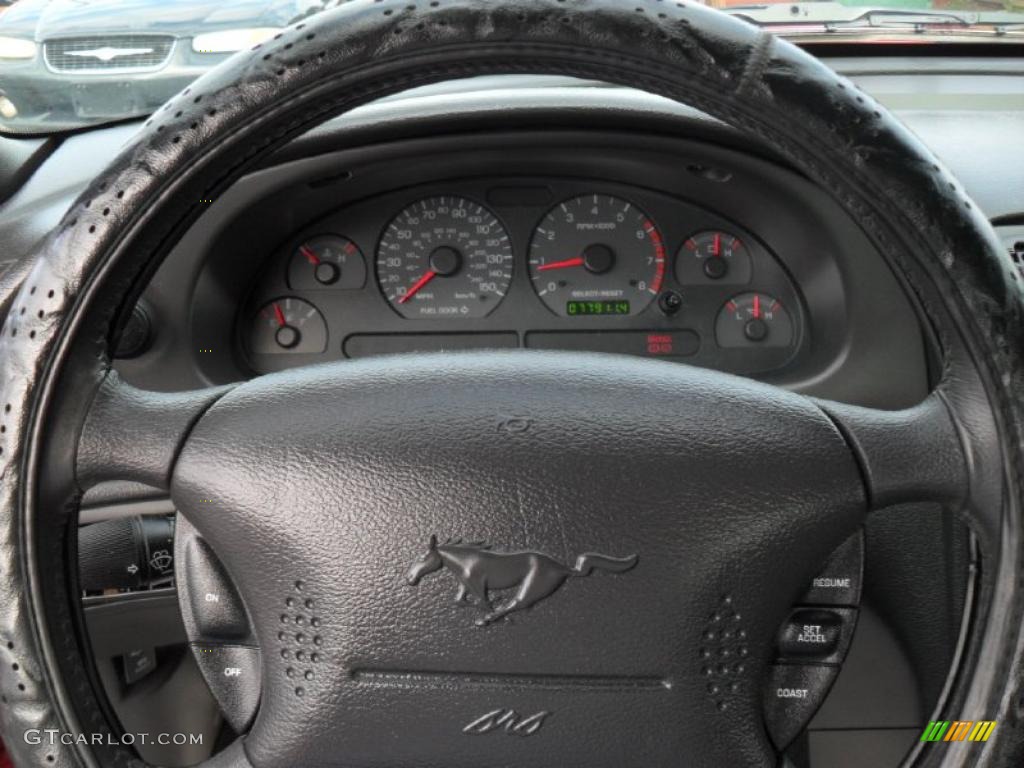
x,y
327,261
754,320
288,325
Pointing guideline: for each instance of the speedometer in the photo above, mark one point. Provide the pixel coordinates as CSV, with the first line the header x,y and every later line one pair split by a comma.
x,y
444,257
597,255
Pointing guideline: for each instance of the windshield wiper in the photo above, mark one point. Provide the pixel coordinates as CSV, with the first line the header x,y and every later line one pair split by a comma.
x,y
832,17
921,21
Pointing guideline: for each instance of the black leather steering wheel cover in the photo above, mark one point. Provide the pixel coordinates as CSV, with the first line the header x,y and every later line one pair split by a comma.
x,y
211,133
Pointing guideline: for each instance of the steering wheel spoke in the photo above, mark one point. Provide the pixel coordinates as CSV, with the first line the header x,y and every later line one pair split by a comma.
x,y
911,455
134,434
232,756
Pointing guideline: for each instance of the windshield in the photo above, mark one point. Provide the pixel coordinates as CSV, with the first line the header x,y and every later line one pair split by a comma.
x,y
65,64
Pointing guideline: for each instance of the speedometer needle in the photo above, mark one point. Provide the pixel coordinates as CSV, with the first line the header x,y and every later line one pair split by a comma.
x,y
577,262
416,287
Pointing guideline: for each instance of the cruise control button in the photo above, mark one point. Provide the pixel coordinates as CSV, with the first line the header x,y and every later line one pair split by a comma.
x,y
793,694
138,664
810,633
217,609
839,582
232,673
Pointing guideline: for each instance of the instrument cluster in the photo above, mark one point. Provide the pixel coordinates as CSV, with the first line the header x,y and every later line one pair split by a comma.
x,y
565,264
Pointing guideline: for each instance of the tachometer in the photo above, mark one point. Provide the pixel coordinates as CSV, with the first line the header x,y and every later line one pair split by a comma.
x,y
597,255
444,257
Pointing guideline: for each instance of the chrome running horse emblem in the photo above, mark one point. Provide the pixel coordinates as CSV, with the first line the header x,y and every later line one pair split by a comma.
x,y
478,569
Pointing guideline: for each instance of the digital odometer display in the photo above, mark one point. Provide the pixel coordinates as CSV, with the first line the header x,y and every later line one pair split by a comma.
x,y
580,308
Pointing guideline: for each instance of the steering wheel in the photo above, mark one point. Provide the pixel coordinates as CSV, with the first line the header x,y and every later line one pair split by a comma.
x,y
325,484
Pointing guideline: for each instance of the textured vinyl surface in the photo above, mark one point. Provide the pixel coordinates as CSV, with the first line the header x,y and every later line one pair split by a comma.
x,y
327,485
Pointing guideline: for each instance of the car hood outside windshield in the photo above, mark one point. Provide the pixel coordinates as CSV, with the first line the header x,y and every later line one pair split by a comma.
x,y
41,21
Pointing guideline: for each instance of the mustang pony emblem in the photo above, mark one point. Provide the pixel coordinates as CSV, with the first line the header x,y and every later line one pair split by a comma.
x,y
534,576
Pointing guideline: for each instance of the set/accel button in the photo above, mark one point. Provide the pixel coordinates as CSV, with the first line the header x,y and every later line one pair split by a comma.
x,y
816,634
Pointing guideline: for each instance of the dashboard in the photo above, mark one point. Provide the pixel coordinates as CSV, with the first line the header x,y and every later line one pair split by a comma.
x,y
535,262
596,240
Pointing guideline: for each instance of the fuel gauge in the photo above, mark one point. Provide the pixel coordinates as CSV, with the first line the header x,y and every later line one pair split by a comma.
x,y
288,325
754,320
327,261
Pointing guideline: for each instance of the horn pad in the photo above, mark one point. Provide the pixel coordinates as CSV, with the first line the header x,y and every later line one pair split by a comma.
x,y
591,513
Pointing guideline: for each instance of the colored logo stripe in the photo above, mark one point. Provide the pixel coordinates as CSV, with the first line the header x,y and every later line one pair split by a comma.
x,y
982,730
958,730
935,731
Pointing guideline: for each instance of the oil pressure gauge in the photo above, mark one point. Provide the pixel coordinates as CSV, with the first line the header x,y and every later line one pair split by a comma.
x,y
713,256
754,320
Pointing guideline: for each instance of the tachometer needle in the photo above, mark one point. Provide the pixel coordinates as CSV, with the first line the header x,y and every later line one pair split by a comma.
x,y
279,315
577,262
416,287
311,257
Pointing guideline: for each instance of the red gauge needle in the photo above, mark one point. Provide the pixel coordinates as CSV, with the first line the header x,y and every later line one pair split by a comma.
x,y
717,248
311,257
416,287
279,315
577,262
757,306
